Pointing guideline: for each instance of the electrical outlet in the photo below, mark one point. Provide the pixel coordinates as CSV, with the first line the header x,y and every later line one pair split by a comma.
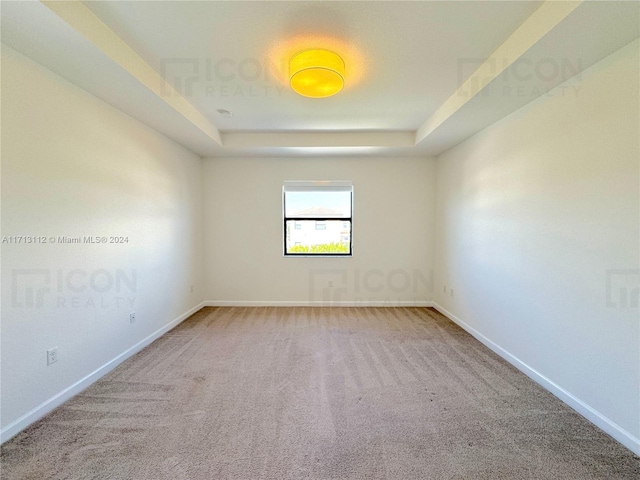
x,y
330,283
132,318
52,355
191,289
444,289
451,291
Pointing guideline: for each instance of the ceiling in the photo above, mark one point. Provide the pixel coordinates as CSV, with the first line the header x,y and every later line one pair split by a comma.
x,y
420,76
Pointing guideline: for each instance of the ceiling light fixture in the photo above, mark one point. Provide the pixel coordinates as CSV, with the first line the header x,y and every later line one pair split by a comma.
x,y
316,73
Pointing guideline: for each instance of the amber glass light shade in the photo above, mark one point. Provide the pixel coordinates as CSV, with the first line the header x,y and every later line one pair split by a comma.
x,y
316,73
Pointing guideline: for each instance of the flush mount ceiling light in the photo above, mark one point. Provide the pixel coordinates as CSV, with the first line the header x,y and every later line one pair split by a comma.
x,y
316,73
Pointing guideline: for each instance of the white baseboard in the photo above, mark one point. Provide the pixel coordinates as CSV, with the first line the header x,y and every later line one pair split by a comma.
x,y
591,414
44,408
319,303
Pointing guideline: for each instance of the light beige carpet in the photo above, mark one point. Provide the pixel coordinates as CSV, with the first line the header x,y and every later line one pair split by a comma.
x,y
319,393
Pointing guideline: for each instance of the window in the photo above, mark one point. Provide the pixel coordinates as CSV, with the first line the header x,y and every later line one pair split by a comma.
x,y
317,218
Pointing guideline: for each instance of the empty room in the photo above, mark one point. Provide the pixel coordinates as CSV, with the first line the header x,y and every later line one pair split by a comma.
x,y
320,240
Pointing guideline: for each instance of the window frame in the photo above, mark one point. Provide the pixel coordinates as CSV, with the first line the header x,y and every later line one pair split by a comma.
x,y
316,186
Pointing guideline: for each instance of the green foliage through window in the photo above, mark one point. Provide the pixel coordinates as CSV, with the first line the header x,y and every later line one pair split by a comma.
x,y
322,248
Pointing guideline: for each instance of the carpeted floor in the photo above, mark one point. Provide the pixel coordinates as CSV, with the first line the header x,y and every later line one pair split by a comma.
x,y
318,393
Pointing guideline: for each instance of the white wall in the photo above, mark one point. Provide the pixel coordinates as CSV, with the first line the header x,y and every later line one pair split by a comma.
x,y
535,215
394,204
74,166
